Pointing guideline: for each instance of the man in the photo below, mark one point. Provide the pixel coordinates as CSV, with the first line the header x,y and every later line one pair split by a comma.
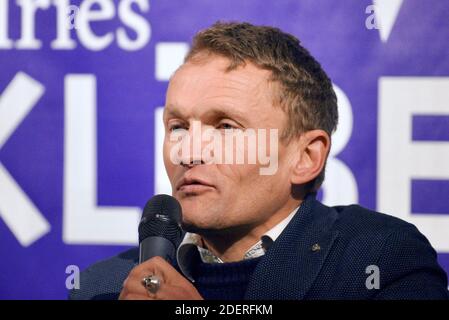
x,y
264,236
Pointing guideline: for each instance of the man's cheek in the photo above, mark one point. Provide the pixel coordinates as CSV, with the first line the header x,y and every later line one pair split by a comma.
x,y
170,168
245,175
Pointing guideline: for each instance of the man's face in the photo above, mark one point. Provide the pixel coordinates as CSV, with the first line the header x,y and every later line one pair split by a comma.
x,y
219,197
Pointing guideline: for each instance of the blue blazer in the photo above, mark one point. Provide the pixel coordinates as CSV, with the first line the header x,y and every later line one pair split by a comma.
x,y
323,253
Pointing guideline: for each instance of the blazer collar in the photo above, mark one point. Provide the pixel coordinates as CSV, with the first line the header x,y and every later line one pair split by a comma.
x,y
291,265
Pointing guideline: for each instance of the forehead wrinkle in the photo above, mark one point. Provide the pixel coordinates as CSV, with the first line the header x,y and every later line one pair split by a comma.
x,y
230,105
248,89
245,82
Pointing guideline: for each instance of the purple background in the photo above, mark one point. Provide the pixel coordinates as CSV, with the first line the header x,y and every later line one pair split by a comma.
x,y
128,92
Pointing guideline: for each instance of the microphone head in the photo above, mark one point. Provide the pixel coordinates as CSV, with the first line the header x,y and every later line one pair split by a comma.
x,y
161,217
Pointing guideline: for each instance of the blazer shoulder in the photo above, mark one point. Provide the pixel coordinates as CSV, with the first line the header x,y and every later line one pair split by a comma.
x,y
406,261
103,280
357,219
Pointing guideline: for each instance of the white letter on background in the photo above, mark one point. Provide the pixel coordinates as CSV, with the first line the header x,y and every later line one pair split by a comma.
x,y
400,159
84,221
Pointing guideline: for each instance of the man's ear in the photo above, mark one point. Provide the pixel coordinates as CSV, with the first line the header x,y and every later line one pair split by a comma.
x,y
314,148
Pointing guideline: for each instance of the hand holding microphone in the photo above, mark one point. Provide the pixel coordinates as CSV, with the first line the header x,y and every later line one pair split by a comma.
x,y
159,235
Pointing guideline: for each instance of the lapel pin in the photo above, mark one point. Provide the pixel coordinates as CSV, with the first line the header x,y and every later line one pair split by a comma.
x,y
316,247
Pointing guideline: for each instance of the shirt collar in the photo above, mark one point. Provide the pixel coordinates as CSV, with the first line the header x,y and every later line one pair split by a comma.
x,y
191,245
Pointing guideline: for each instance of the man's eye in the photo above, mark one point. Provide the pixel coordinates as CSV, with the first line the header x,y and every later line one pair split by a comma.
x,y
225,126
175,127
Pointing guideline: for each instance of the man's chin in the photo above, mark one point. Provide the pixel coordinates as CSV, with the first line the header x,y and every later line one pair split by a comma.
x,y
197,210
198,229
202,227
192,228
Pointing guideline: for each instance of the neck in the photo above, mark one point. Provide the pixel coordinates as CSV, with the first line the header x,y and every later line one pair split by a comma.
x,y
231,245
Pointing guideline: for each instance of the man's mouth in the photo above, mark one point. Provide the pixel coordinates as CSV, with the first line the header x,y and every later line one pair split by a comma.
x,y
193,185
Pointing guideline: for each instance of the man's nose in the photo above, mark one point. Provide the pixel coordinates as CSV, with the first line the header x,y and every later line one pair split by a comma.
x,y
194,156
191,163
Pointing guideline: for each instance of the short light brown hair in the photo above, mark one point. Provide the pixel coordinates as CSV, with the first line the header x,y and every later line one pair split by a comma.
x,y
306,92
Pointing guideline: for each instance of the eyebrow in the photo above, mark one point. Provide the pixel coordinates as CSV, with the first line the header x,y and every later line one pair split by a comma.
x,y
213,112
173,110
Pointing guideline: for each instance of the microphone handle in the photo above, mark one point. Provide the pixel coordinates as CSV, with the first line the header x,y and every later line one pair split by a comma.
x,y
156,246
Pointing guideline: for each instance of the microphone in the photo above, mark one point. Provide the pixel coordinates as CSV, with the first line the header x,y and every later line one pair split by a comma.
x,y
160,228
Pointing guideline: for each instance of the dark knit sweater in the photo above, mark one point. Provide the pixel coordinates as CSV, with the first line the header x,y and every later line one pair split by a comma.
x,y
224,281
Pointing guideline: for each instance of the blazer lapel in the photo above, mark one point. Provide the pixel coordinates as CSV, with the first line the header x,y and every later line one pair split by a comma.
x,y
291,265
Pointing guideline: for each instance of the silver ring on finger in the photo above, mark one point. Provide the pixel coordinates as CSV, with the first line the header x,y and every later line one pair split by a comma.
x,y
152,283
